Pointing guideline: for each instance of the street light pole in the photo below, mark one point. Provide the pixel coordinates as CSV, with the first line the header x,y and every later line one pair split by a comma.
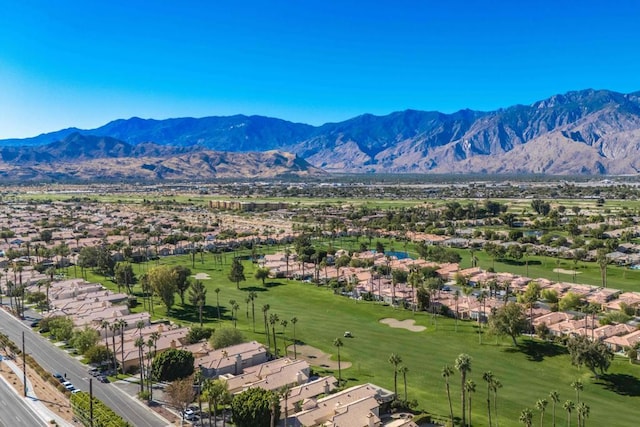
x,y
24,367
91,401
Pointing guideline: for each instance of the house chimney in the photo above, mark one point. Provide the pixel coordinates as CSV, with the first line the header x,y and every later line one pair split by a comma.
x,y
371,420
238,364
173,344
327,389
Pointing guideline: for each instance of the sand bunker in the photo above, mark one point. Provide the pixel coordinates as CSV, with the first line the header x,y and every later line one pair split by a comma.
x,y
403,324
316,357
202,276
563,271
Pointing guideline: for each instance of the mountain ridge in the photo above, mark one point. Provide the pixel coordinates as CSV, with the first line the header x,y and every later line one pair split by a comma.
x,y
585,132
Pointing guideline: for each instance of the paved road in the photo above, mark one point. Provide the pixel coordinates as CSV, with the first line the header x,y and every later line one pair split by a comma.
x,y
15,411
56,360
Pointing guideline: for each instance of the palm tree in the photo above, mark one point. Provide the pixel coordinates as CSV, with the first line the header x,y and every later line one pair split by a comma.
x,y
463,365
404,370
273,319
198,297
569,406
284,323
287,255
541,405
252,296
214,392
395,360
139,343
235,307
555,398
217,291
495,386
488,377
583,412
294,320
447,371
526,417
105,325
265,312
578,387
114,328
470,387
338,343
121,325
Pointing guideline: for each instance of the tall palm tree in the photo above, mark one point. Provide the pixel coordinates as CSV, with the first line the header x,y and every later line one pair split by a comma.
x,y
463,365
122,324
395,360
495,386
526,417
105,325
578,387
265,312
284,323
252,296
569,406
583,413
273,319
555,398
488,377
198,297
217,291
404,370
294,320
139,343
338,343
447,371
114,327
235,307
470,387
541,405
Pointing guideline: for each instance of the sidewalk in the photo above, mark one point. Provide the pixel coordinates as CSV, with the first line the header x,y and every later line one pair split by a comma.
x,y
39,408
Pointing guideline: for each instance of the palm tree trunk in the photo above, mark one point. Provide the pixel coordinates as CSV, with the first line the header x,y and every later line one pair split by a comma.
x,y
450,405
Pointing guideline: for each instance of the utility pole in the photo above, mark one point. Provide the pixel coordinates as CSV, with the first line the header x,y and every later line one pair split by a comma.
x,y
24,367
91,401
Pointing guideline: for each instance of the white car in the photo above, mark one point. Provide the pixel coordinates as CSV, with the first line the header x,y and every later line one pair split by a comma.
x,y
189,414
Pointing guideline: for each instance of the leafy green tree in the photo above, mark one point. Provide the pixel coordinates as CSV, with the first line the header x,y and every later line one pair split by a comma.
x,y
84,339
253,408
236,274
199,333
125,276
61,328
172,364
595,355
182,278
163,281
463,365
98,354
225,337
508,320
198,297
262,274
570,301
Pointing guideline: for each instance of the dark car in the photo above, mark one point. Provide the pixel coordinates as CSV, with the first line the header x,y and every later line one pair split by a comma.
x,y
102,379
58,377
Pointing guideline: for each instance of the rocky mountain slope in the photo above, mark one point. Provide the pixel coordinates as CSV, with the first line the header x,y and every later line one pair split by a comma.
x,y
91,158
582,132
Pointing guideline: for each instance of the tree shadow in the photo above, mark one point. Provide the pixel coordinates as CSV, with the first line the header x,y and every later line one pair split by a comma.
x,y
623,384
254,289
189,313
273,284
536,351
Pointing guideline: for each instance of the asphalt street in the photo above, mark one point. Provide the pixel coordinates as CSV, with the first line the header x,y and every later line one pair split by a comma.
x,y
56,360
15,411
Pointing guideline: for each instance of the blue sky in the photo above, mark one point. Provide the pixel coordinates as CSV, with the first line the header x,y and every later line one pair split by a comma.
x,y
67,63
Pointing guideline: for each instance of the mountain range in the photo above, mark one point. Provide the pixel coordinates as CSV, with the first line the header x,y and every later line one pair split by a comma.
x,y
580,132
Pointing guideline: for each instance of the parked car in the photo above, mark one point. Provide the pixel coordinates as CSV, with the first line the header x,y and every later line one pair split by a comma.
x,y
102,379
347,334
94,372
75,390
189,414
59,377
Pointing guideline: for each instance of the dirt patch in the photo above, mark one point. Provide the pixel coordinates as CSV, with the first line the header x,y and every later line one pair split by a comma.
x,y
563,271
408,324
55,400
317,357
202,276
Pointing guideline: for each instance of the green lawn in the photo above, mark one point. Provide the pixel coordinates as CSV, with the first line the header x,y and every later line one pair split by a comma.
x,y
528,373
